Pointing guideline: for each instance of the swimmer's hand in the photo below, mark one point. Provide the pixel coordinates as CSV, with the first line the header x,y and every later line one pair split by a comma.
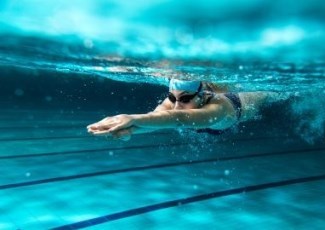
x,y
111,125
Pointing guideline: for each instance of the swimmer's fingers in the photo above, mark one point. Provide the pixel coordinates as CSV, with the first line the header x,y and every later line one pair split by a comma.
x,y
112,124
123,135
108,126
111,129
117,128
102,125
95,125
92,126
122,122
100,132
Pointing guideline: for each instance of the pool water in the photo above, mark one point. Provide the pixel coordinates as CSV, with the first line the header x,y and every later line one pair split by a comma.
x,y
263,174
57,77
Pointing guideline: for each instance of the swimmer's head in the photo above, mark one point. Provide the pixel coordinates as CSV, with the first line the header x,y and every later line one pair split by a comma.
x,y
181,85
185,94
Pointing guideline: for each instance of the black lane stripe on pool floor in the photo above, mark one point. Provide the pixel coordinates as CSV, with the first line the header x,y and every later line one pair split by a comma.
x,y
183,201
141,168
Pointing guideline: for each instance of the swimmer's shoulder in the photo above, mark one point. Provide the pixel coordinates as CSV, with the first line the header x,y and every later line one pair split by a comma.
x,y
214,98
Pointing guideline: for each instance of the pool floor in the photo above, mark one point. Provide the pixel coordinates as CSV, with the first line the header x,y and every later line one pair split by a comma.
x,y
56,176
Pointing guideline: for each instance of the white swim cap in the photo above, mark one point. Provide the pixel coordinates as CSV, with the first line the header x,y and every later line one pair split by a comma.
x,y
181,85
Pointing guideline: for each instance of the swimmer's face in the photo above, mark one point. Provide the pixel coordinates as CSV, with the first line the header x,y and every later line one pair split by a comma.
x,y
184,99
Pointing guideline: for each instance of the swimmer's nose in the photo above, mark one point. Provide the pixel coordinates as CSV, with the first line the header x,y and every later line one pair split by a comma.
x,y
178,105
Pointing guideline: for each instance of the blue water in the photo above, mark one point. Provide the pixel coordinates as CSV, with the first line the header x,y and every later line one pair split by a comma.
x,y
66,64
286,31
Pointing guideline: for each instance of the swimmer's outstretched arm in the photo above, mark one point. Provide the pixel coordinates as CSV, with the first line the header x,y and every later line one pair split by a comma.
x,y
99,128
212,114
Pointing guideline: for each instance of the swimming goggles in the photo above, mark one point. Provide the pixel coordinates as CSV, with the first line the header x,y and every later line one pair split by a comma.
x,y
184,98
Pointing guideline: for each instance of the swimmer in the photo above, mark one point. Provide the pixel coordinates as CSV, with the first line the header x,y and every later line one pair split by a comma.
x,y
189,104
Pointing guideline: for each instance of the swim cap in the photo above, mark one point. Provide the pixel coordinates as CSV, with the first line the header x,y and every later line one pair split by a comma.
x,y
181,85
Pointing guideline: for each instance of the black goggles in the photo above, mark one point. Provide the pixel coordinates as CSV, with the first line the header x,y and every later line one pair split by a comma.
x,y
184,98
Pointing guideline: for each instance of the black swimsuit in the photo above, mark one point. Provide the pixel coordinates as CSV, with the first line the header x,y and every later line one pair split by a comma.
x,y
235,101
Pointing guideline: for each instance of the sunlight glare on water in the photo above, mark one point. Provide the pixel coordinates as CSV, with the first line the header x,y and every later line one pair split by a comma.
x,y
249,46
